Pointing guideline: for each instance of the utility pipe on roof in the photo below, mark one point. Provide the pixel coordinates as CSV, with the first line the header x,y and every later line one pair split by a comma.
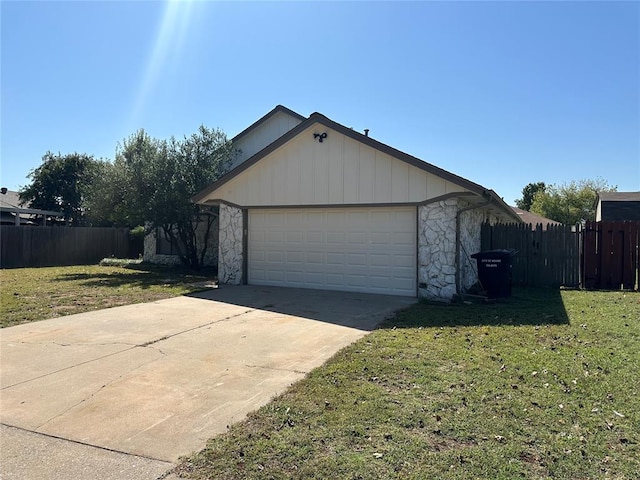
x,y
459,240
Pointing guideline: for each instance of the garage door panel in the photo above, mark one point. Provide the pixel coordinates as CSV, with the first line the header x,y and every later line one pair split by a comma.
x,y
378,238
275,257
273,218
380,260
358,220
294,237
295,257
357,238
335,237
401,238
294,219
356,259
334,280
276,276
352,249
314,237
336,259
404,261
315,258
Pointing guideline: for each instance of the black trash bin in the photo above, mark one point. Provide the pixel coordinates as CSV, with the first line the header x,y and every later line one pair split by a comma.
x,y
494,271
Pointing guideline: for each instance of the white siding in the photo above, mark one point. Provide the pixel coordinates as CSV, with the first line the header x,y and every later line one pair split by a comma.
x,y
340,170
263,135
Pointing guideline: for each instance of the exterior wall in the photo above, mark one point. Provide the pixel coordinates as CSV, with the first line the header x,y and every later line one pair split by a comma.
x,y
619,211
437,249
150,254
230,249
210,257
470,223
338,171
470,236
264,134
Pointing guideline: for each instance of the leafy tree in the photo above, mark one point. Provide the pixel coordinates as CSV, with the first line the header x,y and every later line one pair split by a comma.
x,y
570,203
528,193
61,183
151,182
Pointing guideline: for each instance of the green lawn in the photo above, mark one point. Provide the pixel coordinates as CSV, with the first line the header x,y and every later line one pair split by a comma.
x,y
544,385
31,294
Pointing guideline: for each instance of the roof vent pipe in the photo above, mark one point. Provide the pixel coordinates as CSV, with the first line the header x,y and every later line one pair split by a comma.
x,y
366,132
4,190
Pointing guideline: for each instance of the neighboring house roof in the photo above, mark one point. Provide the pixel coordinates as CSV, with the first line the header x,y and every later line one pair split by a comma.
x,y
318,118
11,199
534,218
619,196
10,204
618,206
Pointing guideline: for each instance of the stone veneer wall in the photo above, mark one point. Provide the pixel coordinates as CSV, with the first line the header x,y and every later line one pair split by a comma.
x,y
470,233
230,245
210,256
437,249
470,224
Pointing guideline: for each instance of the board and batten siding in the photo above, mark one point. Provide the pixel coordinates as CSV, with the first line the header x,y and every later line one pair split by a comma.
x,y
338,171
263,135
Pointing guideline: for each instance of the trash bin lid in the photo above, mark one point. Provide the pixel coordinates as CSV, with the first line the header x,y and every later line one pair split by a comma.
x,y
499,253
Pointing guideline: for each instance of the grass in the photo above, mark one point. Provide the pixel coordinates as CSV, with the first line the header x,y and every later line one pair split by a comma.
x,y
32,294
543,385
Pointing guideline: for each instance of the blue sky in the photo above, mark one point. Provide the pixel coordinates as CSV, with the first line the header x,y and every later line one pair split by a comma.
x,y
501,93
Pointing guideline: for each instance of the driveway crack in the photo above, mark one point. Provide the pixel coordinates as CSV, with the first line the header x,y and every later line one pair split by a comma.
x,y
131,346
166,337
93,394
276,369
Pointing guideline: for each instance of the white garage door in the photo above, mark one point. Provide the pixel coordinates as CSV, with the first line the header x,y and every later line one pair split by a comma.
x,y
351,249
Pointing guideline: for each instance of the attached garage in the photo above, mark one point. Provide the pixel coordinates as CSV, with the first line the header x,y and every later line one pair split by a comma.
x,y
352,249
325,207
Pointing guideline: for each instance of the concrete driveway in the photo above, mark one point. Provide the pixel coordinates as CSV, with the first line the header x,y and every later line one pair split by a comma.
x,y
148,383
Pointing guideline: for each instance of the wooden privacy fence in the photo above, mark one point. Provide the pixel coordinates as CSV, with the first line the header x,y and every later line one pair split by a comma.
x,y
610,258
548,257
22,246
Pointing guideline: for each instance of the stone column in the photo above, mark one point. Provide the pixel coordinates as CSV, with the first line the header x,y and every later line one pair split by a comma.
x,y
437,249
230,251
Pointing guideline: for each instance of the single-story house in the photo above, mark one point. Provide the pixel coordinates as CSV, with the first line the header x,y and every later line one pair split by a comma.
x,y
314,204
618,206
534,219
15,212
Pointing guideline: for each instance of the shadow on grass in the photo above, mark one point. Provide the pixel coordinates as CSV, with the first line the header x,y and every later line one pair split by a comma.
x,y
526,306
140,276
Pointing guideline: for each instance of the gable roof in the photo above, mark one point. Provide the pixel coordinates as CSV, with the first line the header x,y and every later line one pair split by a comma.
x,y
318,118
619,196
261,120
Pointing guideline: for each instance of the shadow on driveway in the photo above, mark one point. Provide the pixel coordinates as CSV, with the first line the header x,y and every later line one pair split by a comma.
x,y
355,310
